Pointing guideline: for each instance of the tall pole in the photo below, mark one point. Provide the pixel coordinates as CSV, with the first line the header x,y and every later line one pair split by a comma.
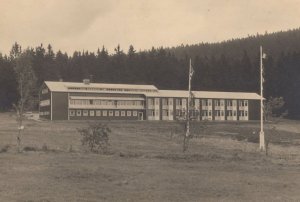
x,y
261,134
188,104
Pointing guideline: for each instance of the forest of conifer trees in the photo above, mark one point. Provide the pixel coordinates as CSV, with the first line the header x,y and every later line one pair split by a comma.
x,y
226,66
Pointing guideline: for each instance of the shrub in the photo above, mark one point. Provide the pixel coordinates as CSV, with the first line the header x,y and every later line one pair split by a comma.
x,y
5,148
44,147
29,148
95,136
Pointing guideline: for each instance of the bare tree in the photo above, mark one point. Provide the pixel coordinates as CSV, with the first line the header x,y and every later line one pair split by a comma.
x,y
26,81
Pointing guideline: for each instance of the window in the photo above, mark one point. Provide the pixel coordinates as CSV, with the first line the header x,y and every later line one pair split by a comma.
x,y
97,102
192,102
156,113
178,102
111,113
157,101
128,113
204,103
229,103
85,112
117,113
183,113
243,103
134,113
209,113
44,113
104,113
222,102
234,113
204,113
92,113
98,113
171,101
165,112
229,113
209,102
78,112
165,101
217,102
72,112
44,103
122,113
45,90
151,113
91,102
150,101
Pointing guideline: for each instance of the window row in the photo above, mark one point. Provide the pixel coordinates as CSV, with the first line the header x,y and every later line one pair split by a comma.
x,y
219,102
204,102
203,113
78,112
166,101
243,103
112,89
153,112
167,112
107,102
152,101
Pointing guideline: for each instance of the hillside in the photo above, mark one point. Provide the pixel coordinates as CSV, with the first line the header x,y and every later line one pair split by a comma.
x,y
274,44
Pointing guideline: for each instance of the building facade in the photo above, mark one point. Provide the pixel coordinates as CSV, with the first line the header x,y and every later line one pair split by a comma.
x,y
99,101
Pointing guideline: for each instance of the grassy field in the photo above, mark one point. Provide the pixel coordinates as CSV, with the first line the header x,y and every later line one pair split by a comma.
x,y
145,163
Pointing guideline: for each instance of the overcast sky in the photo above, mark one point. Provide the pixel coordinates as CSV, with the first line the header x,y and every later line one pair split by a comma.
x,y
71,25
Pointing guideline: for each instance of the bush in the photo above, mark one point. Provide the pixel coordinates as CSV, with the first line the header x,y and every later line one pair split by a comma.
x,y
95,136
4,149
44,147
29,148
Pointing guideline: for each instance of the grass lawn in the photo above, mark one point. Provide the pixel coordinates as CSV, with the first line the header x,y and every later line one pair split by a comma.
x,y
145,163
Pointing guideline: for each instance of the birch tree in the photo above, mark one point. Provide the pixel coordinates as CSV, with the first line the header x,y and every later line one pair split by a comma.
x,y
26,82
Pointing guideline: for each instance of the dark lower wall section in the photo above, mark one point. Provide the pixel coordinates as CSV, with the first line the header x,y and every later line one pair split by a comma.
x,y
254,109
59,106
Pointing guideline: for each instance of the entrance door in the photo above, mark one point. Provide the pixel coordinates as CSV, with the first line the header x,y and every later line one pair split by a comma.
x,y
141,116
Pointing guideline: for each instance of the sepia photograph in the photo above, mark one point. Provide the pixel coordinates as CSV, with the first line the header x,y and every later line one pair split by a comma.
x,y
149,101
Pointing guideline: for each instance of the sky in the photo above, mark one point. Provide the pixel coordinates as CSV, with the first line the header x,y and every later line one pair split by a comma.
x,y
70,25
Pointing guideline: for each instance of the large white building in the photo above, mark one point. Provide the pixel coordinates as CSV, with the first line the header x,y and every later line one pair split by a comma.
x,y
73,101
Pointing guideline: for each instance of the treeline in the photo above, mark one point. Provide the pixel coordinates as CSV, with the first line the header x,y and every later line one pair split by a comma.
x,y
227,66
